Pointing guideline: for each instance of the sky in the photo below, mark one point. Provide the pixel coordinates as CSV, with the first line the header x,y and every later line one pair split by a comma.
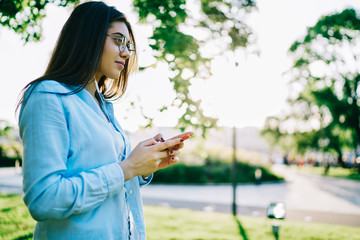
x,y
239,96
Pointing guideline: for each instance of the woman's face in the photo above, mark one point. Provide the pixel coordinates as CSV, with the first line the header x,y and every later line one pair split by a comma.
x,y
112,60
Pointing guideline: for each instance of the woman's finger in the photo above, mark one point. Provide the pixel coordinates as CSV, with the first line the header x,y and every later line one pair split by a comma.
x,y
167,144
159,138
184,135
175,160
164,163
162,154
174,152
177,147
149,142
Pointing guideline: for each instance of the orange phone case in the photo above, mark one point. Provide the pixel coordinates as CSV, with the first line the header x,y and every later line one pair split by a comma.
x,y
185,136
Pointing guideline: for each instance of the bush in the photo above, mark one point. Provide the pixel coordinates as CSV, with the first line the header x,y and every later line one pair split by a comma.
x,y
9,154
214,171
181,173
9,161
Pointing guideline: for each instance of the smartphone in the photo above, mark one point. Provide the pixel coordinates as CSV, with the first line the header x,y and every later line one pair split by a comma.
x,y
185,136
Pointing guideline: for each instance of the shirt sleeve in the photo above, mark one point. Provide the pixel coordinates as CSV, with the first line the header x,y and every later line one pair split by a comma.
x,y
145,181
48,192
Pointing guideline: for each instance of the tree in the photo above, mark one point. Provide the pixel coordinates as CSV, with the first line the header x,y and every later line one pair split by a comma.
x,y
278,134
322,134
173,40
5,130
274,134
326,64
10,149
25,16
175,43
325,111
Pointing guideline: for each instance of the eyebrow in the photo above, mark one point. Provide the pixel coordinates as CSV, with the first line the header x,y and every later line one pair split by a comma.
x,y
119,33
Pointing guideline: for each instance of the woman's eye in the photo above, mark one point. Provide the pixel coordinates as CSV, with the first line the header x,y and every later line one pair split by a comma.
x,y
118,40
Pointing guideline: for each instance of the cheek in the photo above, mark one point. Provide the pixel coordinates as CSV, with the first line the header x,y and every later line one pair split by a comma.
x,y
107,58
109,53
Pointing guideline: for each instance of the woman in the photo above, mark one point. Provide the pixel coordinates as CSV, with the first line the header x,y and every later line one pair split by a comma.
x,y
81,179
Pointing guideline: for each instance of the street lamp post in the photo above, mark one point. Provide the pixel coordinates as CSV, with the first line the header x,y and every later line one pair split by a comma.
x,y
234,172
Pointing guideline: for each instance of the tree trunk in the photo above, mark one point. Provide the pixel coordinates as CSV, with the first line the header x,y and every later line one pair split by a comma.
x,y
340,159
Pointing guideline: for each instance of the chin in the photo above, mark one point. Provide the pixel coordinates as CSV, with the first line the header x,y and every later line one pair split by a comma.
x,y
114,76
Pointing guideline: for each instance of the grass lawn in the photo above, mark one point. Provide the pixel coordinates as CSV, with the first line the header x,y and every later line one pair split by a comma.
x,y
15,219
167,223
338,172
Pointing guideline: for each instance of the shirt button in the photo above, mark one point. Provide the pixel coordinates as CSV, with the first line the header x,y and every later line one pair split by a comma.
x,y
130,191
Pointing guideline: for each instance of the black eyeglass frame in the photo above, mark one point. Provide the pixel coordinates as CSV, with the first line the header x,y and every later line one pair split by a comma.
x,y
124,44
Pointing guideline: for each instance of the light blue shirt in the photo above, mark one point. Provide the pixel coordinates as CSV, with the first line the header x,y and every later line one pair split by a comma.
x,y
73,185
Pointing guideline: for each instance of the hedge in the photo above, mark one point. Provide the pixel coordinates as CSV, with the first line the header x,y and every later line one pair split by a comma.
x,y
214,172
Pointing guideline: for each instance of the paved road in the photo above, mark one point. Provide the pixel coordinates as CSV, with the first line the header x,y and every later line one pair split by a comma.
x,y
10,180
307,197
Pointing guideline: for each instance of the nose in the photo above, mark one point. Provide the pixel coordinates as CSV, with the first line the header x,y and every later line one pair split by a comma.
x,y
125,54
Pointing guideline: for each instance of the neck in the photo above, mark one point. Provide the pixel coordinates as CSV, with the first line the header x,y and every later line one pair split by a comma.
x,y
91,88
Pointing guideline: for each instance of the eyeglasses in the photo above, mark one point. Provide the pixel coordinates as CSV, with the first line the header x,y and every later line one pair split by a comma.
x,y
123,44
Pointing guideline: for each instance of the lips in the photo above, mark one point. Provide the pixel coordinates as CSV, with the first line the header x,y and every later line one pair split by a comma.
x,y
120,63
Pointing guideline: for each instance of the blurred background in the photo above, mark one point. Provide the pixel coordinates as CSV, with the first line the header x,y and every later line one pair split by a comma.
x,y
270,88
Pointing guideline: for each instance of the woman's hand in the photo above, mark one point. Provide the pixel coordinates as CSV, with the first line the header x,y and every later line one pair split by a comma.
x,y
173,152
148,156
183,136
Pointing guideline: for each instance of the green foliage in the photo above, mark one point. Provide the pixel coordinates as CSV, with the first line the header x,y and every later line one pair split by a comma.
x,y
181,173
325,114
225,20
277,135
335,172
183,52
331,44
214,171
10,149
5,129
271,131
333,27
24,16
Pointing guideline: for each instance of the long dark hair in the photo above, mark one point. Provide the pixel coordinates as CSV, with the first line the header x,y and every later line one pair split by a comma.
x,y
77,54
